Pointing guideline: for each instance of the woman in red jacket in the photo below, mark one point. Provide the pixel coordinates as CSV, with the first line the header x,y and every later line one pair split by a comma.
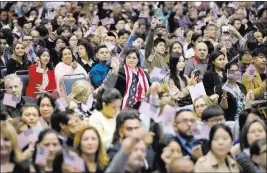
x,y
41,75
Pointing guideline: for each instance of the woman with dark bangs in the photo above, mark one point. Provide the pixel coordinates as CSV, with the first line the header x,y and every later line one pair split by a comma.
x,y
41,75
177,82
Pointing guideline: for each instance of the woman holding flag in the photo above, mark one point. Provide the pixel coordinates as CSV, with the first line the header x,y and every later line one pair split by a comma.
x,y
234,93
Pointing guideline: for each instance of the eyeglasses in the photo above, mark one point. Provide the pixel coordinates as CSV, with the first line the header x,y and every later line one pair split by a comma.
x,y
186,121
217,120
27,39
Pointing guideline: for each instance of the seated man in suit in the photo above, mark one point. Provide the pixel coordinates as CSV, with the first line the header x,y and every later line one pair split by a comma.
x,y
13,85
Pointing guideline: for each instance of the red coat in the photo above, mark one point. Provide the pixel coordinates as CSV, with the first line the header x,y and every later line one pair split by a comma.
x,y
37,78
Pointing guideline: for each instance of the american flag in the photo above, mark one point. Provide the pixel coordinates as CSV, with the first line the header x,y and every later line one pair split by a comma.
x,y
41,156
61,103
104,21
26,138
251,70
148,109
143,15
110,21
74,161
10,100
233,39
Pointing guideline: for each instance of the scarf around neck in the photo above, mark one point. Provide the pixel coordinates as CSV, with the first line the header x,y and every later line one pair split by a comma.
x,y
142,85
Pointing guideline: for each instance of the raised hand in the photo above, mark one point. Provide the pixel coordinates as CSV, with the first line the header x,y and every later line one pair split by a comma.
x,y
135,26
250,96
129,143
115,64
154,23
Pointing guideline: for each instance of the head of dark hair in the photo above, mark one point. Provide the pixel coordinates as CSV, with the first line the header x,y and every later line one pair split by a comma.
x,y
217,127
244,138
63,39
122,32
4,10
194,38
252,42
174,60
106,96
111,34
230,64
124,115
40,139
42,30
32,9
28,105
213,56
62,28
258,51
100,47
131,49
88,47
255,148
75,28
39,54
243,115
176,42
210,46
261,11
142,36
49,97
61,52
159,40
212,111
181,111
60,117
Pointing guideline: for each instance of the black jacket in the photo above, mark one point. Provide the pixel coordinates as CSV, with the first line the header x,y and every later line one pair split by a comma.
x,y
15,112
13,66
86,66
213,83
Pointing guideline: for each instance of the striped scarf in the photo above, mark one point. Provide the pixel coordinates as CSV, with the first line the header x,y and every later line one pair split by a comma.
x,y
142,85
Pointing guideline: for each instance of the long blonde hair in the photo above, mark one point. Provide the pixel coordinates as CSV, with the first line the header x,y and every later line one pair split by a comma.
x,y
101,157
80,89
8,131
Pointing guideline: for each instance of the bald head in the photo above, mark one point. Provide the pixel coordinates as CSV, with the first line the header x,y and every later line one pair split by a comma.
x,y
181,165
35,36
202,51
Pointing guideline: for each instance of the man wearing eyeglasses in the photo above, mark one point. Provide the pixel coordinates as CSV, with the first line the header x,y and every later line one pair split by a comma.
x,y
27,41
185,127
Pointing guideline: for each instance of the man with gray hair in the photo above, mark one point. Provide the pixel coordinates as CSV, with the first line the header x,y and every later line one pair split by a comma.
x,y
13,85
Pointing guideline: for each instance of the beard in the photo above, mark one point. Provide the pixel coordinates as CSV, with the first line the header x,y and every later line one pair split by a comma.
x,y
185,136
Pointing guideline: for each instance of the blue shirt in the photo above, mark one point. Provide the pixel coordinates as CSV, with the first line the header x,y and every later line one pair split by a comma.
x,y
188,146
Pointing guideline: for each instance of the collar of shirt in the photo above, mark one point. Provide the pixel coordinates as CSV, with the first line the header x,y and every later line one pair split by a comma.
x,y
85,62
192,143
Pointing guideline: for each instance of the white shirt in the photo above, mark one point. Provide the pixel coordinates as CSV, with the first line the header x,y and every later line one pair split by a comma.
x,y
104,126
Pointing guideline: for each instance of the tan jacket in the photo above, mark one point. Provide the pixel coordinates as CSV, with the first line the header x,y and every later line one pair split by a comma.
x,y
174,91
209,163
256,85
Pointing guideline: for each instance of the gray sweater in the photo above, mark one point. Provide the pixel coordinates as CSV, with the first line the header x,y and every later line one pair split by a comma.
x,y
190,66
